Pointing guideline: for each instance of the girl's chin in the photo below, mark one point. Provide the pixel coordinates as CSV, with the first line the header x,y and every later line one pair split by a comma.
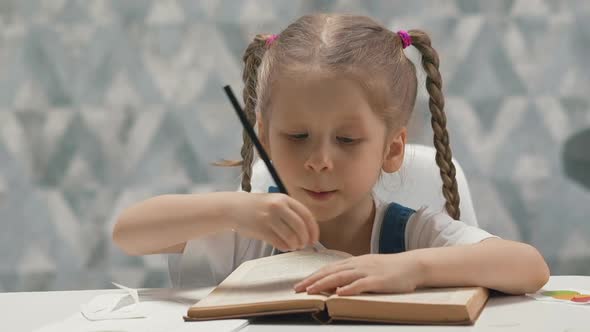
x,y
323,214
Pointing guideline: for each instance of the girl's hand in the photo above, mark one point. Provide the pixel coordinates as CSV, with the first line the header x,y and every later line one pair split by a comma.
x,y
376,273
275,218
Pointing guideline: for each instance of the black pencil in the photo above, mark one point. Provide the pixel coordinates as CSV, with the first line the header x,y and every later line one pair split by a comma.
x,y
254,138
259,148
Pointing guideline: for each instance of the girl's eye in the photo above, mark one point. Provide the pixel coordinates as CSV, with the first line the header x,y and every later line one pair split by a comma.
x,y
346,140
297,137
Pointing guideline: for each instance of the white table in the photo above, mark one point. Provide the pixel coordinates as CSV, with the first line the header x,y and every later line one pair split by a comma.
x,y
26,311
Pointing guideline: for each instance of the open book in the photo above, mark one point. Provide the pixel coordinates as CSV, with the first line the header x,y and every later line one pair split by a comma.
x,y
264,286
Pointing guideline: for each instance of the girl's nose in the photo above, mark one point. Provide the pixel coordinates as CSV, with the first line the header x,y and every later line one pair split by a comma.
x,y
319,161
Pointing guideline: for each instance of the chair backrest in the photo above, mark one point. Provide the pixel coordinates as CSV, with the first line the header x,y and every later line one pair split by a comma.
x,y
417,184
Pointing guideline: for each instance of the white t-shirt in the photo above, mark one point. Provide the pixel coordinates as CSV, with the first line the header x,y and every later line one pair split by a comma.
x,y
208,260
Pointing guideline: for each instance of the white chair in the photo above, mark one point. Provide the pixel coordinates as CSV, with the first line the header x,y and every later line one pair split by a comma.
x,y
418,183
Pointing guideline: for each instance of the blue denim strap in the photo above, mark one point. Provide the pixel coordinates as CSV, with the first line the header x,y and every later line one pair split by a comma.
x,y
392,238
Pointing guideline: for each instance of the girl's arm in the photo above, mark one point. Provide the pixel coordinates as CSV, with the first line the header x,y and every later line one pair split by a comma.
x,y
164,224
507,266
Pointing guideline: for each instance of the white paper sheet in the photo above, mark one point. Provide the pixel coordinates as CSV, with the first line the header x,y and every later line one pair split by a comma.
x,y
113,306
131,310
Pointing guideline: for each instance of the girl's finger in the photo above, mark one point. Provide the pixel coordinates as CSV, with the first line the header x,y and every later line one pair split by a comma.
x,y
358,286
283,232
312,226
297,225
273,238
321,273
333,281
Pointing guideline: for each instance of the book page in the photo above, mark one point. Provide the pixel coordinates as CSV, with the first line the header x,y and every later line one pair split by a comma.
x,y
270,279
444,296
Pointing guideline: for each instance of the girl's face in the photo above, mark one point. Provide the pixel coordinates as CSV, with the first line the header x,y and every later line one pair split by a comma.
x,y
327,144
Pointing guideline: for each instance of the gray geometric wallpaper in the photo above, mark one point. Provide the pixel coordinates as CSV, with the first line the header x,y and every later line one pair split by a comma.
x,y
105,103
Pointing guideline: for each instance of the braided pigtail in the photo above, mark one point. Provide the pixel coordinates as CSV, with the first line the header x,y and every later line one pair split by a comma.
x,y
436,103
252,58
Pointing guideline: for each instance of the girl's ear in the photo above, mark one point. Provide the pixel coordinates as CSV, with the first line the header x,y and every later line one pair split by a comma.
x,y
394,151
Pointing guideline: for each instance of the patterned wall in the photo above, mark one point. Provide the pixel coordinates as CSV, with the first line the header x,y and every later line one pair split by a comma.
x,y
104,103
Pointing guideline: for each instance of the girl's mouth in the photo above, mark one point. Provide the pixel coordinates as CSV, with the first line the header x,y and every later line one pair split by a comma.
x,y
320,195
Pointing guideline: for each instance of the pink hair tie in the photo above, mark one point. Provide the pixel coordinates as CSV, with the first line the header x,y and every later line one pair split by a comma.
x,y
271,39
406,38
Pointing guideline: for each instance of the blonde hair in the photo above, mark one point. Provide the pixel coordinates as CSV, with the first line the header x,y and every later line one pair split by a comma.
x,y
359,47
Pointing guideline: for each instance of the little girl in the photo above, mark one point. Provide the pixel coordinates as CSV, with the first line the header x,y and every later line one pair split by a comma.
x,y
331,97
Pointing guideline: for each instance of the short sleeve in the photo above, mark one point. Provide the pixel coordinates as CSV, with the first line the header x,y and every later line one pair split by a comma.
x,y
204,261
207,261
428,229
